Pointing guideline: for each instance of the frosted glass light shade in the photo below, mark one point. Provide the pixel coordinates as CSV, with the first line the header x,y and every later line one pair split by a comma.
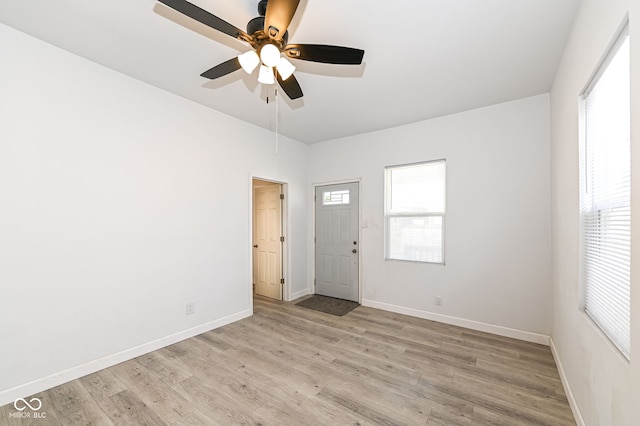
x,y
266,75
270,54
249,61
285,68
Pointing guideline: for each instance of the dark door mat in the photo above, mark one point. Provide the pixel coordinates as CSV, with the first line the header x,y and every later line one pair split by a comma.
x,y
329,305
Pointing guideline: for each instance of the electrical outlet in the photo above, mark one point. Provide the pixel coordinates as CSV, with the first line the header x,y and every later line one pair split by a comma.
x,y
191,308
438,300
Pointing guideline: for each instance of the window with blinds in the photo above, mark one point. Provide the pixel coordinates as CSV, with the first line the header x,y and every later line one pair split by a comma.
x,y
415,212
605,195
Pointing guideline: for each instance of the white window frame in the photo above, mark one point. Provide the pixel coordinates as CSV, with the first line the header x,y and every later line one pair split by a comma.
x,y
605,262
336,198
389,215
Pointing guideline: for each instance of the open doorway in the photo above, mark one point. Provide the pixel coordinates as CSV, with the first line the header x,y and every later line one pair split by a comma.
x,y
268,239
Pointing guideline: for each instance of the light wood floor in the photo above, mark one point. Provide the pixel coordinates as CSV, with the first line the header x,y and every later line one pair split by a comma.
x,y
288,365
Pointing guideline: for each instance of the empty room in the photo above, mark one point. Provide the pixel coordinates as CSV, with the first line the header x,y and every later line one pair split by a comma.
x,y
298,212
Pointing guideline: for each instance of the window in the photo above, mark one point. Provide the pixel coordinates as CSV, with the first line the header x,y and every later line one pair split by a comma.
x,y
415,212
605,195
332,198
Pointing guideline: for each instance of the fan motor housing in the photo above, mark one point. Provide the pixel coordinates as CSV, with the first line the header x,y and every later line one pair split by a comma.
x,y
256,27
256,24
262,7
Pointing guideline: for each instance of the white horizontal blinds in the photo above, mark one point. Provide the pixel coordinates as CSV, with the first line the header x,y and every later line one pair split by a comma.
x,y
606,197
417,188
415,210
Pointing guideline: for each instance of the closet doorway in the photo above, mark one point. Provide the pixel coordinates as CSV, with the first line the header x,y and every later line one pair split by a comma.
x,y
268,239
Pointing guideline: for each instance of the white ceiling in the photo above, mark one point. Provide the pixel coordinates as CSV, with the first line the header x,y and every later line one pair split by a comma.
x,y
423,58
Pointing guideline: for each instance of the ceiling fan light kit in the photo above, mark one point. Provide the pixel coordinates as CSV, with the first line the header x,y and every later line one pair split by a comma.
x,y
285,68
249,61
268,36
266,75
269,54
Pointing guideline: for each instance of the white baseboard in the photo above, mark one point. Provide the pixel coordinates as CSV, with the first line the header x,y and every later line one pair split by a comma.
x,y
567,389
22,391
299,294
474,325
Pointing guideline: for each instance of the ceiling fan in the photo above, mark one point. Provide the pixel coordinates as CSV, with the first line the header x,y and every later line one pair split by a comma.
x,y
268,36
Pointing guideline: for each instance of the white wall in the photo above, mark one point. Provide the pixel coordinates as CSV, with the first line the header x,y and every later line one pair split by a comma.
x,y
497,273
119,204
604,387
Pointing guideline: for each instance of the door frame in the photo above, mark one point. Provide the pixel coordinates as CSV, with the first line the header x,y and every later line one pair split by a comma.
x,y
313,192
286,289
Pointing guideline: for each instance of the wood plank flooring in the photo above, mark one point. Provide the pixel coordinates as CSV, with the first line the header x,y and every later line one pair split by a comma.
x,y
289,365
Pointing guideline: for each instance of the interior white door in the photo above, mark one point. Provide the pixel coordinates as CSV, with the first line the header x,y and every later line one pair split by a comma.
x,y
267,245
337,244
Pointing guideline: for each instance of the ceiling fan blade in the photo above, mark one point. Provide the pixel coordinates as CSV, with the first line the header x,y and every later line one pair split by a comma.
x,y
203,17
222,69
278,17
290,86
325,53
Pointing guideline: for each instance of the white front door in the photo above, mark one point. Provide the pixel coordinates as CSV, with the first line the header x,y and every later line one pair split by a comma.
x,y
267,245
337,246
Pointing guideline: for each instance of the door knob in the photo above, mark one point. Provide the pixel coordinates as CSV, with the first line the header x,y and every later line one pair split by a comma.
x,y
255,246
354,251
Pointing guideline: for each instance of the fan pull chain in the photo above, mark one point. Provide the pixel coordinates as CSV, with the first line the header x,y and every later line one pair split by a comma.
x,y
277,135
